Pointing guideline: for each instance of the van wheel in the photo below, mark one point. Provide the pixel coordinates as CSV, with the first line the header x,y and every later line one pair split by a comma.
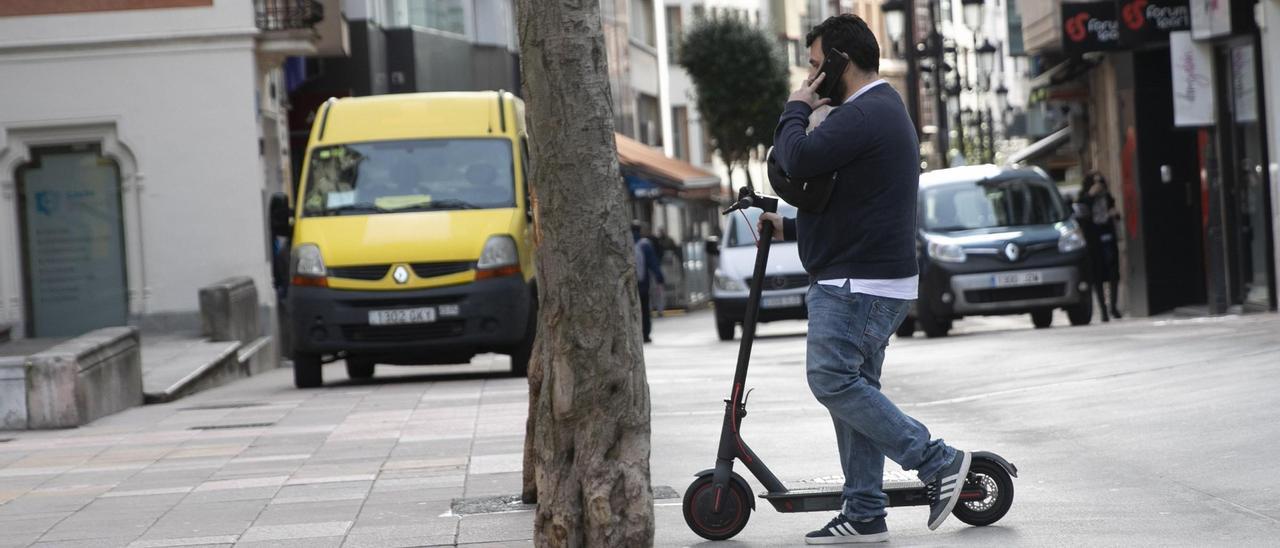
x,y
307,372
360,369
523,351
725,328
1082,313
907,328
1042,318
932,326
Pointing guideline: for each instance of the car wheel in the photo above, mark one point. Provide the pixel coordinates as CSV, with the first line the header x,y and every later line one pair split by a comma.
x,y
932,326
1081,313
907,328
307,372
1042,318
725,328
360,368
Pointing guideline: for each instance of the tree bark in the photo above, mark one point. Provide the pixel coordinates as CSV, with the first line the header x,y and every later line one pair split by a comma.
x,y
591,411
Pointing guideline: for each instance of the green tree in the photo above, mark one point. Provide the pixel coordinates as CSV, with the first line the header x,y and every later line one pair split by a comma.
x,y
742,84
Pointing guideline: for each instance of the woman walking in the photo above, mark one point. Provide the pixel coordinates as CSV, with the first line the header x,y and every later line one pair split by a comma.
x,y
1104,250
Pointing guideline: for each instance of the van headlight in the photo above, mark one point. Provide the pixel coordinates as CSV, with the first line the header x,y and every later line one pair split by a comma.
x,y
945,251
1070,238
498,258
729,283
307,261
308,267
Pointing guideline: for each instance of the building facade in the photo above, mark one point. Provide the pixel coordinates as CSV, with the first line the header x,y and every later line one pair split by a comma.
x,y
138,144
1171,102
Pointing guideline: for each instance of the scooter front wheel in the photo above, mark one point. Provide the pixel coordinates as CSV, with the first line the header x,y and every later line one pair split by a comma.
x,y
700,514
995,481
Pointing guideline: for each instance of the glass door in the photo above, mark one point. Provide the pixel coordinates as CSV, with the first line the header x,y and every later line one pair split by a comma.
x,y
72,241
1244,168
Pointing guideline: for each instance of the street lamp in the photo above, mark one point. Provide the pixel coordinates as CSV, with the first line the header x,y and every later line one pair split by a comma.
x,y
986,56
972,13
894,15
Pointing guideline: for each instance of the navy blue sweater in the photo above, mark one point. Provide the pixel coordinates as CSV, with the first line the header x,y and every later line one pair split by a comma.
x,y
867,230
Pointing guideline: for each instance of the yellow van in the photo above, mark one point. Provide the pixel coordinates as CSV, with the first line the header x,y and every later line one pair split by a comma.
x,y
411,237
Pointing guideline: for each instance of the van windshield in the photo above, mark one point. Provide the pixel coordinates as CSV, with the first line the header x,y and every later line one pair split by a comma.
x,y
742,232
990,204
418,175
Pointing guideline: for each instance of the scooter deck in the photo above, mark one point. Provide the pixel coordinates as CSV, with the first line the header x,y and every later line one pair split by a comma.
x,y
826,498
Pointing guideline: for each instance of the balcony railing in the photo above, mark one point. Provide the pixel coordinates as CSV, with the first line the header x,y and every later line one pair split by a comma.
x,y
288,14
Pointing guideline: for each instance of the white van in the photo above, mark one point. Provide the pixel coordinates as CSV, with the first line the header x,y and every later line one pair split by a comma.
x,y
785,282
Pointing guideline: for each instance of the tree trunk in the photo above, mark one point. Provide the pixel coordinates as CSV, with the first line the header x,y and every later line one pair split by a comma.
x,y
591,414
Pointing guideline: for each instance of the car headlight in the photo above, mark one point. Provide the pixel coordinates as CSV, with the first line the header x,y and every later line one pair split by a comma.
x,y
308,262
1070,238
946,251
728,283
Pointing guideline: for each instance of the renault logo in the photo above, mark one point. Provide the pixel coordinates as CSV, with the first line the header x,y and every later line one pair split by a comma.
x,y
1011,251
400,275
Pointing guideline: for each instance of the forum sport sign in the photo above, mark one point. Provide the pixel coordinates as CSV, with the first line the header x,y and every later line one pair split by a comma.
x,y
1110,25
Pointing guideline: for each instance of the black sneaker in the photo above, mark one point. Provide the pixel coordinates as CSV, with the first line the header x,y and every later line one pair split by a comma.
x,y
842,530
946,488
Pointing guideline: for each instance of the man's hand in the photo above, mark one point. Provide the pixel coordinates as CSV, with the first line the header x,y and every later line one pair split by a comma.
x,y
808,93
777,224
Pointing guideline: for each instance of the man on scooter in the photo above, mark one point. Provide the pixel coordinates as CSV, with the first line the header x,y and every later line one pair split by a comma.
x,y
859,250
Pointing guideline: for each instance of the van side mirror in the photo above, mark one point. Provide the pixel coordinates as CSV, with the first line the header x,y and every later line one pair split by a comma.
x,y
713,245
281,215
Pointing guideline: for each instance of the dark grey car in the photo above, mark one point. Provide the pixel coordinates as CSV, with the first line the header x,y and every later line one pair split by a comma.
x,y
996,241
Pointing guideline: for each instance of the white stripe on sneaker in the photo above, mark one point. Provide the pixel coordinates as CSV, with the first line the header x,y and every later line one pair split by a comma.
x,y
846,530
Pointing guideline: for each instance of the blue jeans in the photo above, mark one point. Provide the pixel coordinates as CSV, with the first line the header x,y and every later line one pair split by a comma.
x,y
848,333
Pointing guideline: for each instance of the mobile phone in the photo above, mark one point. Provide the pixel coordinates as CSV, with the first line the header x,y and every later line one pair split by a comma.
x,y
833,67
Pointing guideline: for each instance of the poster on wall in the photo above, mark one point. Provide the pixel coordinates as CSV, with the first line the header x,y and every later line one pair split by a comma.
x,y
1089,26
1244,94
1210,18
1192,64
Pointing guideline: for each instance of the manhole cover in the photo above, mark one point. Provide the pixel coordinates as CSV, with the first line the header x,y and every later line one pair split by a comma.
x,y
228,405
226,426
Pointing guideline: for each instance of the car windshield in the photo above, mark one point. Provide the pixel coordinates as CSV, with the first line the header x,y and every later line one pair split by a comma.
x,y
419,175
742,232
989,204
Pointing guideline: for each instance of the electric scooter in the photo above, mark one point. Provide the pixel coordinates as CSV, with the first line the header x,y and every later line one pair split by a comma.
x,y
718,503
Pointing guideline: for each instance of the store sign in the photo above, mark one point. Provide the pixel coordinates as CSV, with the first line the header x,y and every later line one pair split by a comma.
x,y
1143,21
1090,26
1210,18
1244,89
1192,64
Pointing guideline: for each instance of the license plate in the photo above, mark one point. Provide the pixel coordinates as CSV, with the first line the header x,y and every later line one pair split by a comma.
x,y
782,302
402,316
1011,279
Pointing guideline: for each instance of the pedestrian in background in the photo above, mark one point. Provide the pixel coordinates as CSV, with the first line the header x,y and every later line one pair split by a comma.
x,y
647,268
663,244
1100,215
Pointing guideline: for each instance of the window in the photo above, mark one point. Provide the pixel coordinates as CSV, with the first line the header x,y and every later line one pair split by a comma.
x,y
396,176
988,204
708,147
680,132
647,114
699,12
444,15
675,32
642,23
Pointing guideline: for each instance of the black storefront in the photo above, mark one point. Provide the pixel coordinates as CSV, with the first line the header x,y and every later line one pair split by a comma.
x,y
1194,188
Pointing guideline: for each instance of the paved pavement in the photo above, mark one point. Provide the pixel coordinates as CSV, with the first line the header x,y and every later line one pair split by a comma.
x,y
1139,432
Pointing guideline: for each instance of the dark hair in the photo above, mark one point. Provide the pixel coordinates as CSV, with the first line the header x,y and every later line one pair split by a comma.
x,y
848,33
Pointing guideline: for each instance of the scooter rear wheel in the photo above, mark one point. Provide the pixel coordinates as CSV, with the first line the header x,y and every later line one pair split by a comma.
x,y
992,477
699,501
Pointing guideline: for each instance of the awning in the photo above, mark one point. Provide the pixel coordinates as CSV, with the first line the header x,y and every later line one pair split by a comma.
x,y
640,161
1061,73
1042,147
